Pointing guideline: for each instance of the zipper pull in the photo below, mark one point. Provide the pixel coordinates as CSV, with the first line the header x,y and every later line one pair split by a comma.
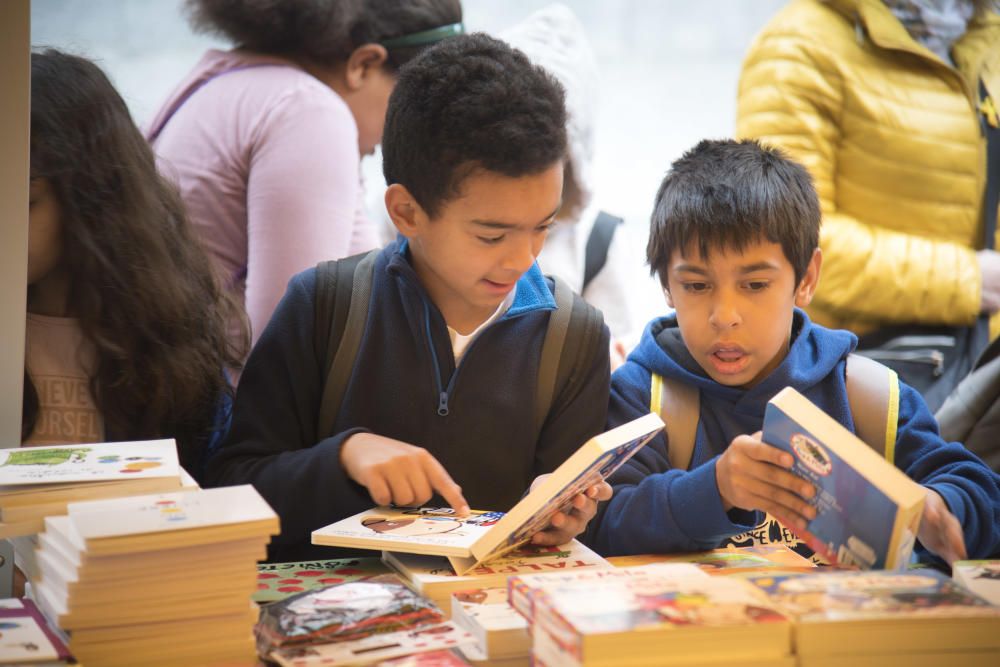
x,y
443,404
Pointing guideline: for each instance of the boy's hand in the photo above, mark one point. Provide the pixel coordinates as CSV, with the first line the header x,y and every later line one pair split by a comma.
x,y
398,473
753,475
940,532
564,526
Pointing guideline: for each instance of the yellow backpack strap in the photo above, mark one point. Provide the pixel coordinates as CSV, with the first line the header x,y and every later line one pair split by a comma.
x,y
678,405
873,396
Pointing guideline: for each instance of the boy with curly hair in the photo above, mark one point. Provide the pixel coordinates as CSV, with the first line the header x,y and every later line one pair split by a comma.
x,y
441,398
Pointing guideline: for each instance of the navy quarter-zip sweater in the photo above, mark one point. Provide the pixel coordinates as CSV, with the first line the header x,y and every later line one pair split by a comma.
x,y
656,509
475,419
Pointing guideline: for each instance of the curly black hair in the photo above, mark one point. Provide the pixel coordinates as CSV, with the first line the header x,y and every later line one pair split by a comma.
x,y
470,102
727,194
322,31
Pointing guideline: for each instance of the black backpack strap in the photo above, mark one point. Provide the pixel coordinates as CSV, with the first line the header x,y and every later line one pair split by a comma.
x,y
343,295
573,334
598,244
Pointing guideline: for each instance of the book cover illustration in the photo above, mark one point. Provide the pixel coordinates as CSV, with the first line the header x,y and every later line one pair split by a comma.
x,y
83,463
982,577
622,606
869,595
857,522
377,647
277,581
25,636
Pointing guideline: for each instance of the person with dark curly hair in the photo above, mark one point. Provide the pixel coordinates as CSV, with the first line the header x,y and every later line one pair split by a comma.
x,y
264,141
126,327
441,399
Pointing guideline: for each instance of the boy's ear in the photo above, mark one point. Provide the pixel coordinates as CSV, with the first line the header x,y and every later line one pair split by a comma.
x,y
362,62
807,286
406,214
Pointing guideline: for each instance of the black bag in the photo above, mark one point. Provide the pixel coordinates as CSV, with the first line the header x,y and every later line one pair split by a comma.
x,y
934,359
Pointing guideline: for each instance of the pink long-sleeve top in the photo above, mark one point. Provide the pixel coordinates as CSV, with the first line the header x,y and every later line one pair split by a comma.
x,y
267,161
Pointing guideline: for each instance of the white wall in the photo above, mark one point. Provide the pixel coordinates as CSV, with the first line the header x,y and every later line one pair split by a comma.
x,y
669,73
15,72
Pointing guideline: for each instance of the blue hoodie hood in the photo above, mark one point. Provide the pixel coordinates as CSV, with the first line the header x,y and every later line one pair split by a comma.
x,y
813,357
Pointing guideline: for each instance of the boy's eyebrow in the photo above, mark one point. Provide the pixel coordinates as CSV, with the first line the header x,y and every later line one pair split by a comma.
x,y
759,266
496,224
749,268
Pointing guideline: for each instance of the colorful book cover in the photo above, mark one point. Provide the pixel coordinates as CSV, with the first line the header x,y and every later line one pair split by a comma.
x,y
710,618
437,637
872,595
277,581
982,577
717,561
87,463
868,511
525,590
25,636
470,541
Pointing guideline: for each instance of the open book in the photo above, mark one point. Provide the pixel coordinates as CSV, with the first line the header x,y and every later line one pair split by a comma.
x,y
469,541
867,511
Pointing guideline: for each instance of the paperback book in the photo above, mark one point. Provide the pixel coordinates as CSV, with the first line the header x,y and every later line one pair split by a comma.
x,y
36,482
868,511
663,621
982,577
26,638
434,576
500,631
865,612
474,539
722,560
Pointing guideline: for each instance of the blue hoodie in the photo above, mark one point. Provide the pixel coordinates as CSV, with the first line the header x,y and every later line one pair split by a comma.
x,y
656,509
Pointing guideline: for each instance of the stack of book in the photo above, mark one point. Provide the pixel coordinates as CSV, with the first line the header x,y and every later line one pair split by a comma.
x,y
655,617
434,577
885,618
501,633
524,591
27,639
169,576
36,482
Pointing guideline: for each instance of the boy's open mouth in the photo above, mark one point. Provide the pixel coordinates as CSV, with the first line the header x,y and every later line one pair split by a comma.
x,y
728,359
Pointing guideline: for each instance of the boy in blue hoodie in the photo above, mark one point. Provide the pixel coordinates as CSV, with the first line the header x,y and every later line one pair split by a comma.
x,y
441,401
734,240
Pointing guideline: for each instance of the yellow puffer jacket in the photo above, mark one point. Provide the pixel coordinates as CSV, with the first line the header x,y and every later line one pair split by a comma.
x,y
892,137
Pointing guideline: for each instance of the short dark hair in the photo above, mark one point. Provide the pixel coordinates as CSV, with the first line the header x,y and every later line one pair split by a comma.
x,y
324,31
726,194
470,102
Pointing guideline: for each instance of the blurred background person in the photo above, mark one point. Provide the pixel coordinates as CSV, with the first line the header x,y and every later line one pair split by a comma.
x,y
126,325
888,104
265,140
583,246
